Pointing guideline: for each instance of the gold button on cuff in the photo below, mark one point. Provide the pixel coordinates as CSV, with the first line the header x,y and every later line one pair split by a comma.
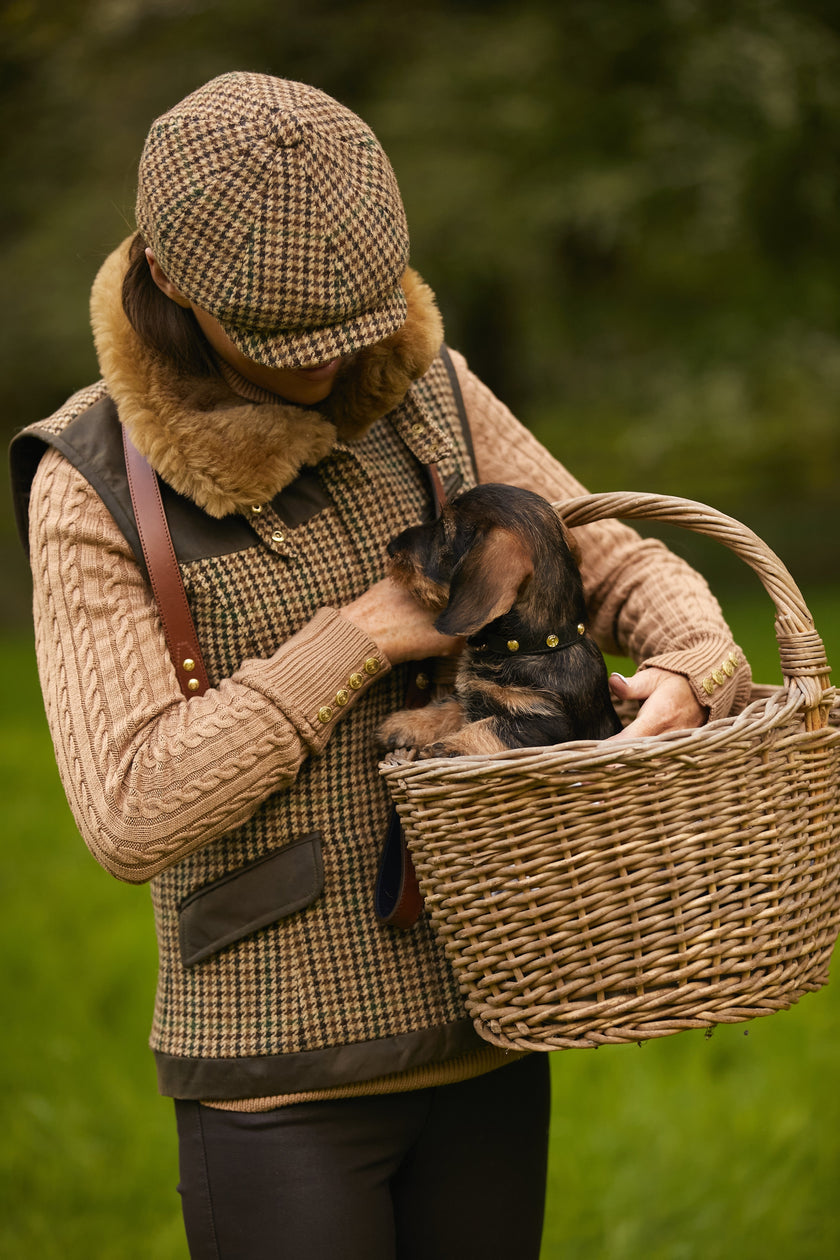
x,y
513,645
341,697
193,684
552,641
371,665
189,665
355,681
325,714
728,668
719,676
708,685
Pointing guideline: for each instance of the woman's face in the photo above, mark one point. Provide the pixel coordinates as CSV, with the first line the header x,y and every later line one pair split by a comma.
x,y
304,385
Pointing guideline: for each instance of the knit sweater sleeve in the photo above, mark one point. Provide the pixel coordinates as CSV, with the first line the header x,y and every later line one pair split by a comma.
x,y
644,601
148,775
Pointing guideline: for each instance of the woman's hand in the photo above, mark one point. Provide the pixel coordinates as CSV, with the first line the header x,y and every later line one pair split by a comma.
x,y
668,702
401,627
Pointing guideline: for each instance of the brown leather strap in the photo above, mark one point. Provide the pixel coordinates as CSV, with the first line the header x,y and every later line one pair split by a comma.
x,y
164,573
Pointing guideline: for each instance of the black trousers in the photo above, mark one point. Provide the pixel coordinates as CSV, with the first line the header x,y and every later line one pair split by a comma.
x,y
435,1174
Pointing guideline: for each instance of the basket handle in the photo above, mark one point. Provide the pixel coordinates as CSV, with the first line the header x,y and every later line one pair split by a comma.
x,y
801,650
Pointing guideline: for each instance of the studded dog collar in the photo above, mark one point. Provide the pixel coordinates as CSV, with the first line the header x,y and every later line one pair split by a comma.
x,y
564,637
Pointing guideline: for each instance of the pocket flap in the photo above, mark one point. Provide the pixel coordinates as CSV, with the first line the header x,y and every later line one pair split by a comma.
x,y
250,898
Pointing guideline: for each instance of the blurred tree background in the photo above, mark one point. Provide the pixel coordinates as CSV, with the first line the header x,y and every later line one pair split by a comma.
x,y
629,213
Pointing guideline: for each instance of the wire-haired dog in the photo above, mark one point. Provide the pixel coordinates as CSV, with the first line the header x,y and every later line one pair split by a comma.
x,y
500,566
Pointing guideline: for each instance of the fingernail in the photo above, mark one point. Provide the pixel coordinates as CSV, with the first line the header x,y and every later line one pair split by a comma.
x,y
615,674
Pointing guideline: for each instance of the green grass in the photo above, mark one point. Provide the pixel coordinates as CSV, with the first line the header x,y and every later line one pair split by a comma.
x,y
720,1148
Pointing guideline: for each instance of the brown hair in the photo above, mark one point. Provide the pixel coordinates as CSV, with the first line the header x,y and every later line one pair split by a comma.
x,y
166,327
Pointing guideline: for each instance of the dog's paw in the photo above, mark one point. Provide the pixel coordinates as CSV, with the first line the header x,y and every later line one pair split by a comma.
x,y
398,731
440,748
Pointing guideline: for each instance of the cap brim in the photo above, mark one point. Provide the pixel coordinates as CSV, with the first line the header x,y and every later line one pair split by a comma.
x,y
307,347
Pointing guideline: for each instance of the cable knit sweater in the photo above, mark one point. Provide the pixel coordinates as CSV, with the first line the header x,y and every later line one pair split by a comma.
x,y
157,784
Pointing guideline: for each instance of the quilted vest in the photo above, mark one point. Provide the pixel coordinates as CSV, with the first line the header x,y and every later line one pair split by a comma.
x,y
275,976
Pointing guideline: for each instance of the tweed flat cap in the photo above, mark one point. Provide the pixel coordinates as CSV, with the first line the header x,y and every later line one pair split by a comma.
x,y
274,208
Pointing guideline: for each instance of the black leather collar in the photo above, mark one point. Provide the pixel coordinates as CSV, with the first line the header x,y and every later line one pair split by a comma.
x,y
553,641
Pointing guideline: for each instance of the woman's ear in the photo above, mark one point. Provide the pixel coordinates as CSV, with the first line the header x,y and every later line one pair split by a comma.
x,y
164,283
486,583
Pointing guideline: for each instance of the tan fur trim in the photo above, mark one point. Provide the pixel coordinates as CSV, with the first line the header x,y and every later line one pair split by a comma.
x,y
380,375
227,454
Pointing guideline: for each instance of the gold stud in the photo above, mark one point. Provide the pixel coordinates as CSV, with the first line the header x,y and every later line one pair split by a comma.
x,y
256,508
193,684
513,645
189,665
278,536
422,681
552,641
325,714
581,628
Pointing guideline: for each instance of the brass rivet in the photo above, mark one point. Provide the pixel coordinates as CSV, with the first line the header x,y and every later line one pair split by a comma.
x,y
341,697
189,665
193,684
277,536
371,665
552,641
256,508
325,714
356,681
513,645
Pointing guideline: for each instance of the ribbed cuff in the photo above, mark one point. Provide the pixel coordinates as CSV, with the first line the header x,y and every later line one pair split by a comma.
x,y
318,674
716,670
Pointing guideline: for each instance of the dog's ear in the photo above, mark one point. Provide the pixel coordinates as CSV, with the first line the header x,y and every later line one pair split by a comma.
x,y
486,583
569,538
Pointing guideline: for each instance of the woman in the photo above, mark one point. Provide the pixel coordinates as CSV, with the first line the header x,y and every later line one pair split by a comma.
x,y
265,345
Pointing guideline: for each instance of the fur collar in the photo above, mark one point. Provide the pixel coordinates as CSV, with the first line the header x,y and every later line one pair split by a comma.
x,y
223,452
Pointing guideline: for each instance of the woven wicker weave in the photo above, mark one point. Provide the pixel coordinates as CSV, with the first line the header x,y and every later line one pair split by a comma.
x,y
595,893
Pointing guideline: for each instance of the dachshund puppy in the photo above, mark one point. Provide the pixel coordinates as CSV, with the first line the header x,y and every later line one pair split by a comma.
x,y
500,567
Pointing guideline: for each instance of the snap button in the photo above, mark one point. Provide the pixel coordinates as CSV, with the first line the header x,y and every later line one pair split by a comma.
x,y
256,508
278,536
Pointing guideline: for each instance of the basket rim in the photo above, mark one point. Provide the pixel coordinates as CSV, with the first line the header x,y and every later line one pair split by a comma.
x,y
766,713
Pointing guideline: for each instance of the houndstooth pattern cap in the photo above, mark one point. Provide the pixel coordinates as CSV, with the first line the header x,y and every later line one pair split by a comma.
x,y
274,208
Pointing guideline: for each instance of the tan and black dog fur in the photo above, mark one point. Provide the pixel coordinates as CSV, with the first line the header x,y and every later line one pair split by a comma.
x,y
500,566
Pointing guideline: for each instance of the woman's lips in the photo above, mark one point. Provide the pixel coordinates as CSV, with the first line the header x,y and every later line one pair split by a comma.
x,y
320,372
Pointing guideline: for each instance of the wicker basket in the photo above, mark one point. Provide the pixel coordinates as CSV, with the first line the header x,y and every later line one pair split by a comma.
x,y
591,893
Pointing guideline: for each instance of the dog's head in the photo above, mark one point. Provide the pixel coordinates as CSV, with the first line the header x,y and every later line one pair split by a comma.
x,y
490,549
